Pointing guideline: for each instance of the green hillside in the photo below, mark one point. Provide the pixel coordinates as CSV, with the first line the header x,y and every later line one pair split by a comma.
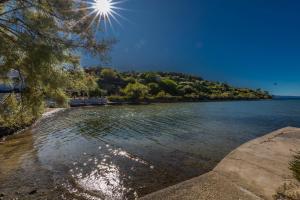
x,y
165,86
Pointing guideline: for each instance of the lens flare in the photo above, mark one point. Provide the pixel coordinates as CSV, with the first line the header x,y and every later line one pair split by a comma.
x,y
103,7
104,10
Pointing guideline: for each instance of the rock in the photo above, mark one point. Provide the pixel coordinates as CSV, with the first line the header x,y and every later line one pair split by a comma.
x,y
2,195
32,192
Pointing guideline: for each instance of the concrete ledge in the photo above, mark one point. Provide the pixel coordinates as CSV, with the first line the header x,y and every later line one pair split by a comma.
x,y
255,170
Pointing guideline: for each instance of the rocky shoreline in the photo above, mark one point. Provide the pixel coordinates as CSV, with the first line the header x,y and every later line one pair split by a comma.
x,y
256,170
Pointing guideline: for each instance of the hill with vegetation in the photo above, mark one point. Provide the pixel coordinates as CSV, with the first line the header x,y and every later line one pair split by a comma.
x,y
120,87
164,87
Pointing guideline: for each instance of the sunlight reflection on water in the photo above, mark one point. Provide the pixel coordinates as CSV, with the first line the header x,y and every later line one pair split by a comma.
x,y
129,151
102,180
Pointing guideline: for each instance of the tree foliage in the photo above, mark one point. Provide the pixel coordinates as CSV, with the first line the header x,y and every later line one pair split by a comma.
x,y
13,115
108,74
168,85
39,43
154,88
136,91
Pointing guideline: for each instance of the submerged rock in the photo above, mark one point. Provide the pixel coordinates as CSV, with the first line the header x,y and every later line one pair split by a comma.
x,y
32,192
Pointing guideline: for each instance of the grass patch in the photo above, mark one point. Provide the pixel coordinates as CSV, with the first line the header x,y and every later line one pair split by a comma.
x,y
295,166
290,190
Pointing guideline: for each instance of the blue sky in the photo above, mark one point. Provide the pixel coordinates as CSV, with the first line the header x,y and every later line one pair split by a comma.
x,y
246,43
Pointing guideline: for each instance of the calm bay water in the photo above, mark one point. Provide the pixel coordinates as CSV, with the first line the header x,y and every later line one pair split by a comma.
x,y
128,151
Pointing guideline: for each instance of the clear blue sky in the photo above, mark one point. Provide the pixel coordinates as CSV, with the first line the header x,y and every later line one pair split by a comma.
x,y
246,43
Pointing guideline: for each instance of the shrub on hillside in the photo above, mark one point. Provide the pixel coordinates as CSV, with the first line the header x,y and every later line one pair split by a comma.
x,y
136,91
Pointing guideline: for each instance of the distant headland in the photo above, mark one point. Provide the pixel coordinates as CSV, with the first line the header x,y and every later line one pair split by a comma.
x,y
165,87
101,86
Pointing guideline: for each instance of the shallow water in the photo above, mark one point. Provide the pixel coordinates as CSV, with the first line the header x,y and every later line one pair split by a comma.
x,y
128,151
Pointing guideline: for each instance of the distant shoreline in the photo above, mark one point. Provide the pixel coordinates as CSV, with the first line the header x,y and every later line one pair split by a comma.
x,y
88,102
52,111
286,97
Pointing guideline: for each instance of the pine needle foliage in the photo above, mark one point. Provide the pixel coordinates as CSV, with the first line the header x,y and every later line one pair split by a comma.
x,y
40,41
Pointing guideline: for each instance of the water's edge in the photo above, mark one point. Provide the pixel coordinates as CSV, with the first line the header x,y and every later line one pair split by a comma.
x,y
249,172
50,112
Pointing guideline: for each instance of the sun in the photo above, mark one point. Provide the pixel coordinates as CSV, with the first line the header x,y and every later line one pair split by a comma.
x,y
104,11
103,7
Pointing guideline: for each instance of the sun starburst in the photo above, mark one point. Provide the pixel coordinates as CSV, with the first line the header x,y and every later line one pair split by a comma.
x,y
103,7
104,10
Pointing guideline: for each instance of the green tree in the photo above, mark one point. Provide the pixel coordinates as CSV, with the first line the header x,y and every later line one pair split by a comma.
x,y
169,86
81,83
11,115
150,77
154,88
40,40
108,74
162,94
136,91
187,89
